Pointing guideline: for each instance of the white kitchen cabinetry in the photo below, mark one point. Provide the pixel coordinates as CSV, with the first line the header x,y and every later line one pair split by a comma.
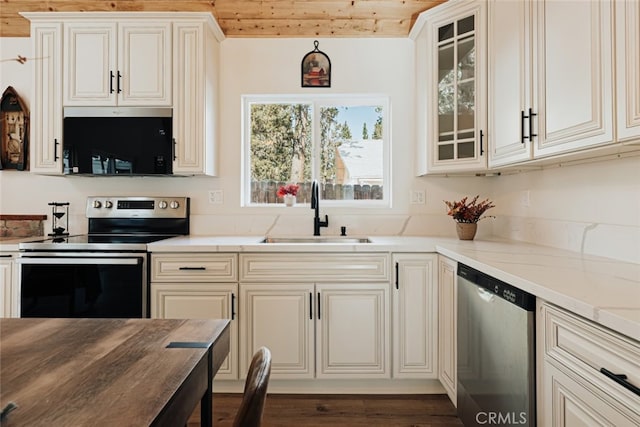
x,y
627,24
550,78
322,315
111,62
451,85
415,316
198,286
45,142
447,326
572,390
8,283
196,53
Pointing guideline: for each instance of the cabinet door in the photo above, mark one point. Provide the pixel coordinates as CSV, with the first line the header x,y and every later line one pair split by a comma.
x,y
352,331
456,88
574,75
570,400
6,285
510,81
200,301
90,72
46,108
144,62
278,317
628,69
447,326
415,316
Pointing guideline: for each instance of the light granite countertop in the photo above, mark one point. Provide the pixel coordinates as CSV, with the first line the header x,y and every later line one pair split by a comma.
x,y
600,289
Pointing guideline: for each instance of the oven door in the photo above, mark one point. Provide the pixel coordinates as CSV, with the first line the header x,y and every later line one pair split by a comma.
x,y
106,285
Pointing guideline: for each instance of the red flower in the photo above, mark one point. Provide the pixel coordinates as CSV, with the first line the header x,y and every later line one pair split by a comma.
x,y
288,189
469,212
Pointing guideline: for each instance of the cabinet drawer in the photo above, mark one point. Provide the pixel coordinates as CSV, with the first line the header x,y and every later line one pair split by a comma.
x,y
293,267
194,267
581,344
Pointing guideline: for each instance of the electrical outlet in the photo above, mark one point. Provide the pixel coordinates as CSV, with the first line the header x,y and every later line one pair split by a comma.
x,y
216,197
417,197
525,199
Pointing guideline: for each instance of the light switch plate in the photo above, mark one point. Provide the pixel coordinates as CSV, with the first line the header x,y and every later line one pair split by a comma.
x,y
417,197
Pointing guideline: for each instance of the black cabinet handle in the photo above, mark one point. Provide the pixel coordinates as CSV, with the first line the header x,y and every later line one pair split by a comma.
x,y
481,142
173,149
55,149
192,268
318,305
522,135
118,83
622,380
531,134
310,306
111,81
397,280
233,306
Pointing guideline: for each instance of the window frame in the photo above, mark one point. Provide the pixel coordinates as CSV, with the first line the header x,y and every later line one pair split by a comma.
x,y
317,102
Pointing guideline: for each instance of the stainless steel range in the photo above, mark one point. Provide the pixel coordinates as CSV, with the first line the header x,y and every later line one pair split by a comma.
x,y
102,273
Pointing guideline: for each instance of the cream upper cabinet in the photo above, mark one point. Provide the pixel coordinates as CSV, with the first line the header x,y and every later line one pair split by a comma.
x,y
451,83
510,81
112,62
447,326
415,316
627,23
550,78
573,72
196,52
45,148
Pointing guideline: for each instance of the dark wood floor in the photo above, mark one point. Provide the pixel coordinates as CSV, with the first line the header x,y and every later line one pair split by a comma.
x,y
341,410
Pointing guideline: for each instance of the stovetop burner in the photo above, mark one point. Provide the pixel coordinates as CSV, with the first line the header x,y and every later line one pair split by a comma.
x,y
123,224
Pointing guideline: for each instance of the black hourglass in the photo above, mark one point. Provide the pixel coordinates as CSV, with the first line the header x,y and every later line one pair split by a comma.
x,y
60,223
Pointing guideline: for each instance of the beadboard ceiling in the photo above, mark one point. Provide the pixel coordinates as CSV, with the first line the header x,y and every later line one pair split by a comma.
x,y
251,18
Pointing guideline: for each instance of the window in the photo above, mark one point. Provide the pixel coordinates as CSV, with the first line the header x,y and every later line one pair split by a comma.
x,y
343,143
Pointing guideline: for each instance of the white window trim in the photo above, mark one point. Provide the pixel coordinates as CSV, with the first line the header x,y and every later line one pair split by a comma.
x,y
316,102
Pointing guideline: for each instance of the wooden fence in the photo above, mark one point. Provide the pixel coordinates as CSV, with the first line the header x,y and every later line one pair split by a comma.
x,y
266,192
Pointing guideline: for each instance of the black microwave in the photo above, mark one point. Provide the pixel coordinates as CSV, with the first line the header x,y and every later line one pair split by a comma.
x,y
117,141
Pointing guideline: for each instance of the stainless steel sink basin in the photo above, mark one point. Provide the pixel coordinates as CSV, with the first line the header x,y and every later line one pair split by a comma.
x,y
318,239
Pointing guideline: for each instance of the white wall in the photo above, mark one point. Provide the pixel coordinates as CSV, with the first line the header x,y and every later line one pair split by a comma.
x,y
592,207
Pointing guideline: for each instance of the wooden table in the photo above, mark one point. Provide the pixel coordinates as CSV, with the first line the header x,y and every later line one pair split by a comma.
x,y
109,372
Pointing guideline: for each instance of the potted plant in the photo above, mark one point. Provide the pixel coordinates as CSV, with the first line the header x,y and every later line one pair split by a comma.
x,y
288,192
467,214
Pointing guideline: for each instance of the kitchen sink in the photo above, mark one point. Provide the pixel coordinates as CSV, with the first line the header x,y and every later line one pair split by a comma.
x,y
317,239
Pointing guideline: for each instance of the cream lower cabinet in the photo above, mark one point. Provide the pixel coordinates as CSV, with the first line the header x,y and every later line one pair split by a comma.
x,y
198,286
321,315
447,326
8,283
415,316
572,390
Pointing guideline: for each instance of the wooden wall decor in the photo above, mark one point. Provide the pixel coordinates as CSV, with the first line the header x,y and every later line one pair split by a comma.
x,y
316,68
14,131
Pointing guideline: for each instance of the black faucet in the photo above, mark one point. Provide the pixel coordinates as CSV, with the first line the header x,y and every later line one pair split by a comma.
x,y
315,204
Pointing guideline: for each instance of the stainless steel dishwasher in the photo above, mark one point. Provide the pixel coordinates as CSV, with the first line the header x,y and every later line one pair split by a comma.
x,y
496,358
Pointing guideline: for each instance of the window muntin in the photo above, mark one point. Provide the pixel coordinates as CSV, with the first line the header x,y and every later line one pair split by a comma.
x,y
341,142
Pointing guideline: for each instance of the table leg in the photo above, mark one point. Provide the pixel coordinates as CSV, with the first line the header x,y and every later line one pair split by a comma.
x,y
206,404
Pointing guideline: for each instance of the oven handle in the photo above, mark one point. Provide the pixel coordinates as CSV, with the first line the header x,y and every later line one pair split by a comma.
x,y
81,261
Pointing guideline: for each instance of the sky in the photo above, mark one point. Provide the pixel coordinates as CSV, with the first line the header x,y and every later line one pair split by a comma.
x,y
355,117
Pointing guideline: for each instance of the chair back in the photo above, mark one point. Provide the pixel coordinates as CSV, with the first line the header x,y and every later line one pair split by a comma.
x,y
255,390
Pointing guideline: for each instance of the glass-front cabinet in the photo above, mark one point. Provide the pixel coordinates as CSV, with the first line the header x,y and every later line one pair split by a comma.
x,y
451,88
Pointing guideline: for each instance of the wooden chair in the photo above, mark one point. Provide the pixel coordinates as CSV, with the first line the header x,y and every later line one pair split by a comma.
x,y
255,390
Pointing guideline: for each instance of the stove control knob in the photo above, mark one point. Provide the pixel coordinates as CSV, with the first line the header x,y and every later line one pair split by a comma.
x,y
97,204
174,204
162,204
108,204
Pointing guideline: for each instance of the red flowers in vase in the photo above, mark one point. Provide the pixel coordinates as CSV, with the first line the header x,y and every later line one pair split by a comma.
x,y
289,189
